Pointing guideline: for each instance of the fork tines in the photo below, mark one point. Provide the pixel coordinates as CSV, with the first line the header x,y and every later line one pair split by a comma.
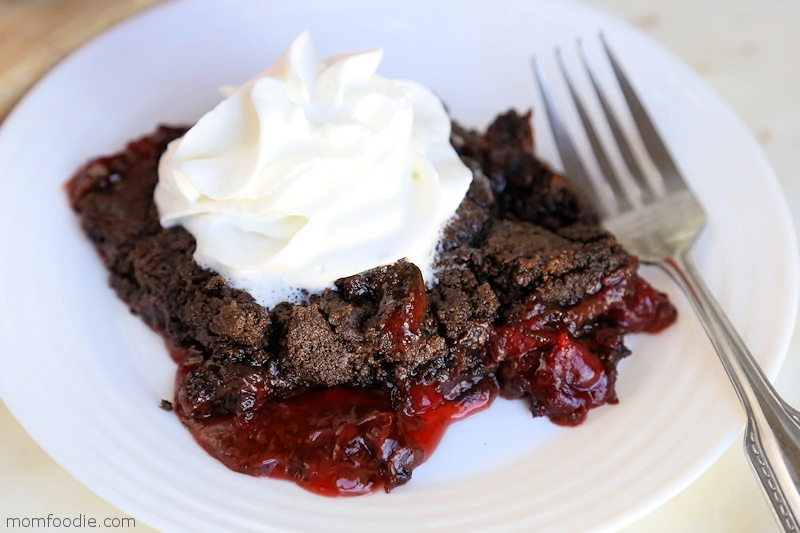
x,y
613,191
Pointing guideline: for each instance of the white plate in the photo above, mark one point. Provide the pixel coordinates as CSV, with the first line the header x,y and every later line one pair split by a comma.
x,y
84,377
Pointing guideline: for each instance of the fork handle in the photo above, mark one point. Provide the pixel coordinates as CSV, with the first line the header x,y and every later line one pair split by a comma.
x,y
772,436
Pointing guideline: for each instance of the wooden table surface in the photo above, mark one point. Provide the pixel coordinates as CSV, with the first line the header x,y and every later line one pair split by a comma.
x,y
36,34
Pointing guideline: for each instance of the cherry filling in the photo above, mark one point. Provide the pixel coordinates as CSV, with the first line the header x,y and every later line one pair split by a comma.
x,y
336,441
563,360
645,309
343,441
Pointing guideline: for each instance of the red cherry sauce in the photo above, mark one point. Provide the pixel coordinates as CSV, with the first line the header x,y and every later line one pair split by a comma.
x,y
645,310
347,442
563,360
337,441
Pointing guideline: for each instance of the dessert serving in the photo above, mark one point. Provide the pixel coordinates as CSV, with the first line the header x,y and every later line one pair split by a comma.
x,y
340,272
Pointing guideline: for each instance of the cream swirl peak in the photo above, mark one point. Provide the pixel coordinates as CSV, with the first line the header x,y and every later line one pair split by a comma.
x,y
312,171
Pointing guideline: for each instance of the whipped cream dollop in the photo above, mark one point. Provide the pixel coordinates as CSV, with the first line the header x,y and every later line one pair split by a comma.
x,y
314,170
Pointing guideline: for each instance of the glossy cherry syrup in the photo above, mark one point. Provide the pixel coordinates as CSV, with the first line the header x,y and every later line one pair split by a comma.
x,y
337,441
563,360
347,442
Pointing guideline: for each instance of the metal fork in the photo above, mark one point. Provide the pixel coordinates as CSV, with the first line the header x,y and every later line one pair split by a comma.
x,y
659,220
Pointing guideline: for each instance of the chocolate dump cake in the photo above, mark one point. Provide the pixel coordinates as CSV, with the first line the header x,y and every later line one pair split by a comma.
x,y
351,389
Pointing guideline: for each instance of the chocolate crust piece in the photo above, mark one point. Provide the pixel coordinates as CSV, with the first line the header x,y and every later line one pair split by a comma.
x,y
522,232
525,187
